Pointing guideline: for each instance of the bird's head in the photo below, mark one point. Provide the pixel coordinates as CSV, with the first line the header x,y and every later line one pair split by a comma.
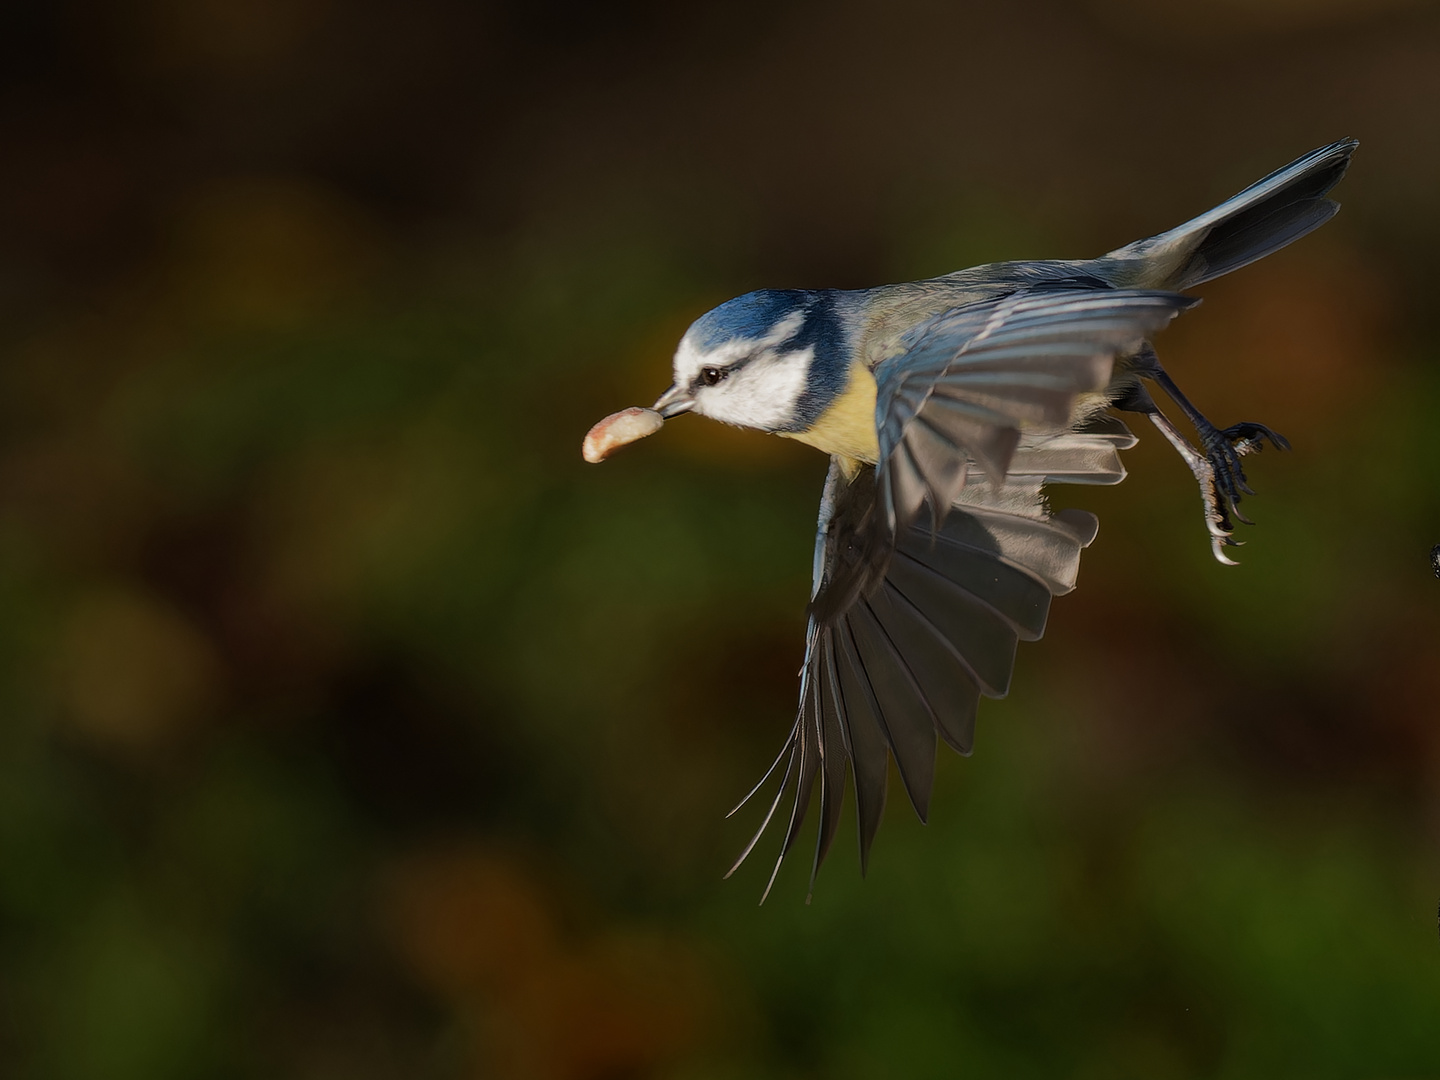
x,y
765,360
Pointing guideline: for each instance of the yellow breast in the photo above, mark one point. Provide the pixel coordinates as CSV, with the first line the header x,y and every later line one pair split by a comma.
x,y
847,428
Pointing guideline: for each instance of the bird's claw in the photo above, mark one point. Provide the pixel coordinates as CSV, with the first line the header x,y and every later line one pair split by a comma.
x,y
1249,437
1215,463
1223,450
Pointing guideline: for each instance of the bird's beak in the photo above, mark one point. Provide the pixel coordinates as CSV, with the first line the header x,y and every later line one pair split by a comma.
x,y
673,402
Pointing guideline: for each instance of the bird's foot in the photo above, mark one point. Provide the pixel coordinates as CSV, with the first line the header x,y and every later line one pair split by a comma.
x,y
1217,470
1217,508
1223,450
1248,437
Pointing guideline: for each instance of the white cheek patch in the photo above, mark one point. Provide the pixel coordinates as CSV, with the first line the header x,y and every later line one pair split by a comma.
x,y
762,394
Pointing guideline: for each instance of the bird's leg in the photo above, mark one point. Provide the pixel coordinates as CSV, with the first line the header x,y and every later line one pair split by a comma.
x,y
1216,463
1217,521
1223,449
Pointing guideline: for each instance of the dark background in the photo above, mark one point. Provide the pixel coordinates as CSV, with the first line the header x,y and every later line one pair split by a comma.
x,y
353,727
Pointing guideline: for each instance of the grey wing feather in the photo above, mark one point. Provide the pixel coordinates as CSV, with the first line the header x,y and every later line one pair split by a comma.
x,y
973,378
905,663
864,742
904,714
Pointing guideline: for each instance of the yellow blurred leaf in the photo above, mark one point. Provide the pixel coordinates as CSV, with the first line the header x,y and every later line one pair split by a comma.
x,y
132,671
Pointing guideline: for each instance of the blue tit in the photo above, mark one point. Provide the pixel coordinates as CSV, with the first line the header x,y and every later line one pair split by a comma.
x,y
946,406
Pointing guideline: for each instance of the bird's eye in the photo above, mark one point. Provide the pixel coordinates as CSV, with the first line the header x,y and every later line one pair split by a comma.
x,y
712,375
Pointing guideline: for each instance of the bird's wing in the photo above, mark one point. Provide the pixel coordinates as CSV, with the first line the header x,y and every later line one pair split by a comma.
x,y
914,615
973,377
952,406
909,661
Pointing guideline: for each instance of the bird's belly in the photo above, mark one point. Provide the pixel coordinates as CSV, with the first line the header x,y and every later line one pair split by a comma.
x,y
847,428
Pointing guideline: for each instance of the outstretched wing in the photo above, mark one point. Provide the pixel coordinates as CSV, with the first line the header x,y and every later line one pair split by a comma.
x,y
924,583
907,663
974,376
955,403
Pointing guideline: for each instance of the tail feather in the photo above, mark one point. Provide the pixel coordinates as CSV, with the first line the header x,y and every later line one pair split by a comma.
x,y
1266,216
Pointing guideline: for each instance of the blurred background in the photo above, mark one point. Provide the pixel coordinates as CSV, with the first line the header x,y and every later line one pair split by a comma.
x,y
352,727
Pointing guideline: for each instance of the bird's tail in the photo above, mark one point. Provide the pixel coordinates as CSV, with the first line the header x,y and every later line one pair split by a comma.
x,y
1266,216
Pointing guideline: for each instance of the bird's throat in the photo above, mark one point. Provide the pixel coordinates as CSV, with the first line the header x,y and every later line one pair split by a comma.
x,y
847,428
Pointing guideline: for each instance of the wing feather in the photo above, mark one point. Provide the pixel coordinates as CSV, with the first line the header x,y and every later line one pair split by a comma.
x,y
866,745
925,581
942,675
981,637
905,718
834,755
940,460
980,374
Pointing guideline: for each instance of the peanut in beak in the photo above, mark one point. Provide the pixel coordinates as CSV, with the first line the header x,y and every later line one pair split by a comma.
x,y
619,429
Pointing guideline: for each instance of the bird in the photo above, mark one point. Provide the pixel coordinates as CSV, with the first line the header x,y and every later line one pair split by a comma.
x,y
946,406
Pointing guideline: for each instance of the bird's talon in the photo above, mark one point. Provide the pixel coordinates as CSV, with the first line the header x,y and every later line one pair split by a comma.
x,y
1251,437
1218,550
1223,450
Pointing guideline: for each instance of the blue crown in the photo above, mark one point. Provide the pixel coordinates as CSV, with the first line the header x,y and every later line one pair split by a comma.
x,y
748,316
